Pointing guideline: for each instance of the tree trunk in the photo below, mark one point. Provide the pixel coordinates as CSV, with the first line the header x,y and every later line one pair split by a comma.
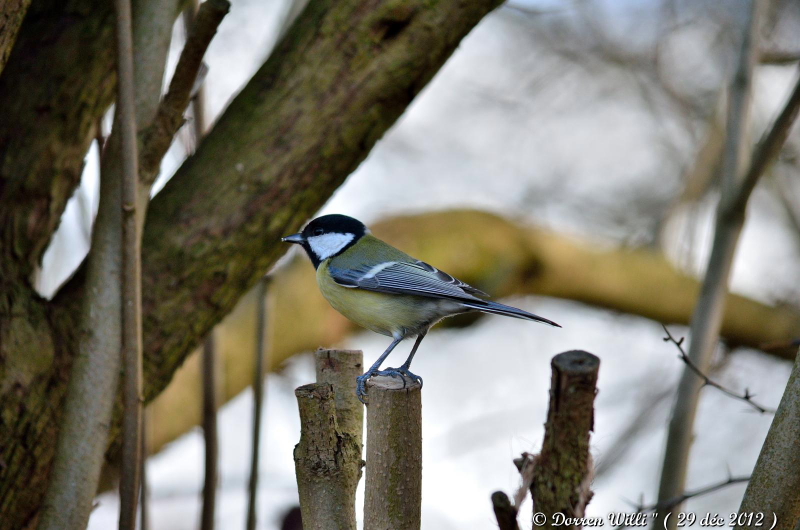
x,y
215,228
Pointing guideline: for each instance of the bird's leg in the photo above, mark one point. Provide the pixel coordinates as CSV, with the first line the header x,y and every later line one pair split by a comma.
x,y
361,386
404,371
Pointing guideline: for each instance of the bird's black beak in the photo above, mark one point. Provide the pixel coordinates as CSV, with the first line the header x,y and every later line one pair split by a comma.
x,y
294,238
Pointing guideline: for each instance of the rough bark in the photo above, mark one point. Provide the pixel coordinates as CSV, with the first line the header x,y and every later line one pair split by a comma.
x,y
393,489
504,259
52,92
339,368
218,222
12,13
327,462
563,473
774,486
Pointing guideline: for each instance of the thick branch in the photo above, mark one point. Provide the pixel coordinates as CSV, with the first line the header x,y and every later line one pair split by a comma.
x,y
393,489
775,484
562,476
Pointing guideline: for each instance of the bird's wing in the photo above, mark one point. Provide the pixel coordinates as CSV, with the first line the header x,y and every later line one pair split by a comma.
x,y
406,277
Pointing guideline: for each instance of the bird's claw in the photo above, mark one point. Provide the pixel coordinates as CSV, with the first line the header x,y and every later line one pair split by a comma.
x,y
361,387
402,373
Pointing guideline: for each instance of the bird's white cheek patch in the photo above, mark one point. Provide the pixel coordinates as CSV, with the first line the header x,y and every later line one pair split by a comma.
x,y
327,245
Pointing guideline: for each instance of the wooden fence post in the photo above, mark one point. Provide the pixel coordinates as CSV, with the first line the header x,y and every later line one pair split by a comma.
x,y
393,496
340,368
327,462
563,472
328,458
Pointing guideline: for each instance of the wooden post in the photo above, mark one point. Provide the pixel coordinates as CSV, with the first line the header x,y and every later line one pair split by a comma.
x,y
327,462
340,368
393,496
504,511
563,473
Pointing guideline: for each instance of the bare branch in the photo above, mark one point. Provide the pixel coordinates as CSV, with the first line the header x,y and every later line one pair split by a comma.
x,y
747,397
669,504
709,311
258,399
766,152
210,433
158,136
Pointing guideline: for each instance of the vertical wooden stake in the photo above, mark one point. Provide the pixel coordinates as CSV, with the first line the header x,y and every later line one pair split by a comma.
x,y
340,368
327,462
563,473
394,455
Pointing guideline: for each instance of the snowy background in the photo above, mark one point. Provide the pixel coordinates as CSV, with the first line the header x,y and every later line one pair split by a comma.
x,y
517,123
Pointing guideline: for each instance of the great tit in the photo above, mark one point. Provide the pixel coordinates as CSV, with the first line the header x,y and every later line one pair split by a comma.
x,y
385,290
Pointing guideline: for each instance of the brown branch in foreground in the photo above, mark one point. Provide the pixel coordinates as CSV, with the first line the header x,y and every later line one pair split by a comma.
x,y
747,397
210,436
563,473
393,492
504,511
169,118
327,462
258,400
131,274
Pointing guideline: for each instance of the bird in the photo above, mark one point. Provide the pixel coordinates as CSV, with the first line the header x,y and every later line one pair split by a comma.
x,y
383,289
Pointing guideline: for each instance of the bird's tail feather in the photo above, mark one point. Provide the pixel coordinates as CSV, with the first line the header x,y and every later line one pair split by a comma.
x,y
507,310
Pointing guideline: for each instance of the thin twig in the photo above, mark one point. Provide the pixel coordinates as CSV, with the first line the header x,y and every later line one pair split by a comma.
x,y
210,436
747,397
258,399
680,499
766,151
131,274
169,118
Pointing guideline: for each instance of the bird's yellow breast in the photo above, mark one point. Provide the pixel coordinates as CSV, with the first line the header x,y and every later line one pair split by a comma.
x,y
387,314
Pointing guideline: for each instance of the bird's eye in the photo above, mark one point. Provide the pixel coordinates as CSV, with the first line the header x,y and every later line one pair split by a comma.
x,y
318,231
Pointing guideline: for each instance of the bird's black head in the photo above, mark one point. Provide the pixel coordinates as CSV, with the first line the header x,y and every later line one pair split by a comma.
x,y
328,236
